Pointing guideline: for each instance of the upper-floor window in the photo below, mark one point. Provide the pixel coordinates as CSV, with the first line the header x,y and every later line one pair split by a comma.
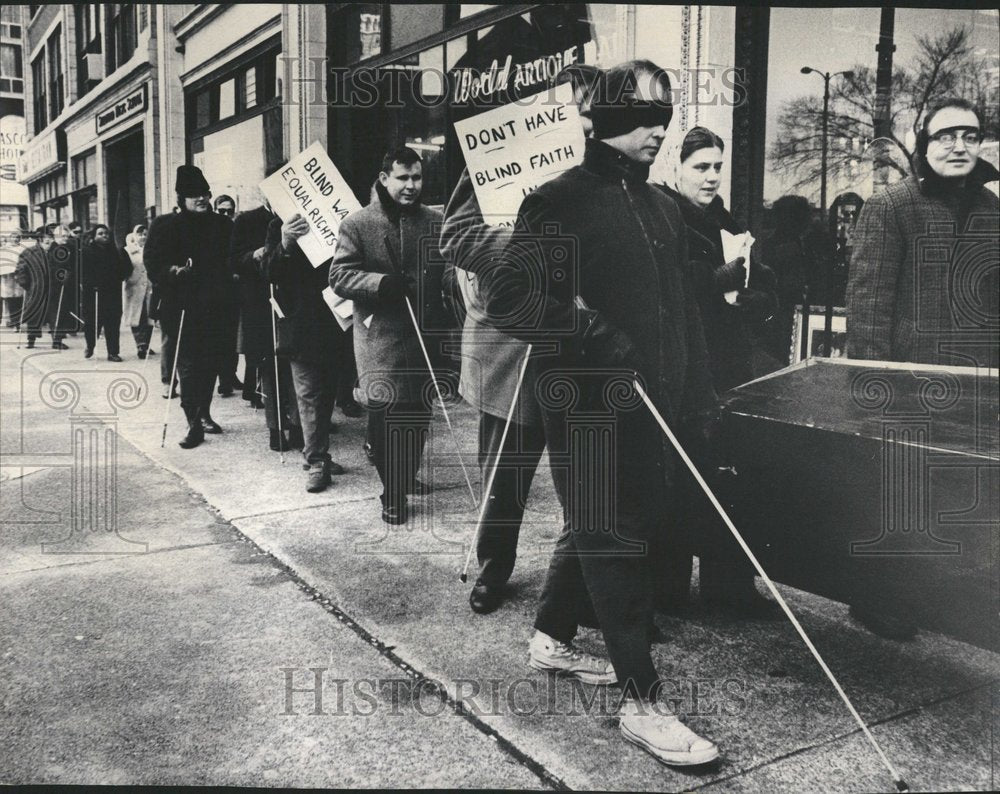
x,y
122,33
10,21
242,90
54,51
89,69
11,69
38,93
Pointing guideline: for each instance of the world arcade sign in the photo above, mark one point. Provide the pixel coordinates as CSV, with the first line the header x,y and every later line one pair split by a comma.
x,y
129,106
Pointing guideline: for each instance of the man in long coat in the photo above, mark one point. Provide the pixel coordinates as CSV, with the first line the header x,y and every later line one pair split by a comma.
x,y
49,273
187,259
599,264
386,252
103,269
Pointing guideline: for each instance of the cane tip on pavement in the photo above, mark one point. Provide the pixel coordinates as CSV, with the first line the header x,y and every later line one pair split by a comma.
x,y
463,577
901,785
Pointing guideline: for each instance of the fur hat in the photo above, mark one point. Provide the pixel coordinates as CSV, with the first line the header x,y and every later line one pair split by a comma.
x,y
191,182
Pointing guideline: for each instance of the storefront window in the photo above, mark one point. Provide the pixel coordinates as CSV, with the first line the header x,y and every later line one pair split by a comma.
x,y
227,99
84,170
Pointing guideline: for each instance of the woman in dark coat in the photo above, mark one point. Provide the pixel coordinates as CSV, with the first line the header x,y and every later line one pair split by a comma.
x,y
103,269
726,577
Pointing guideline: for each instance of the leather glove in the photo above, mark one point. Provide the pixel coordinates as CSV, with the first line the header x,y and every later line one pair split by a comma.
x,y
181,274
605,345
756,305
730,276
393,288
292,230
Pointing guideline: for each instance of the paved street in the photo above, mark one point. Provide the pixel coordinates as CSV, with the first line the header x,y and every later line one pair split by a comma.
x,y
180,617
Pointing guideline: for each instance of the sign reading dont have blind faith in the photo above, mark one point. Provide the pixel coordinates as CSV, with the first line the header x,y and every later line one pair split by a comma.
x,y
311,186
513,149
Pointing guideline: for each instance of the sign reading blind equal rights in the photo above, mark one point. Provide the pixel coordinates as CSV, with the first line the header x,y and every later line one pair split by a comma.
x,y
311,186
513,149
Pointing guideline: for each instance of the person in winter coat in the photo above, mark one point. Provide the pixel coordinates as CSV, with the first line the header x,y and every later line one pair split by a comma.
x,y
599,265
922,281
491,364
48,273
228,381
187,259
255,339
11,292
388,252
104,268
726,577
138,291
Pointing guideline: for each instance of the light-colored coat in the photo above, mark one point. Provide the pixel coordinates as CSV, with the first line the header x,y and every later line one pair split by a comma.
x,y
137,286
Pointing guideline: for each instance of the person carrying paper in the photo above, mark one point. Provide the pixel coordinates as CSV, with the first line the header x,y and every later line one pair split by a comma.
x,y
388,251
733,297
306,333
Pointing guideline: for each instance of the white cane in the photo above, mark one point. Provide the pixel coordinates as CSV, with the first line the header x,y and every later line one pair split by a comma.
x,y
464,576
97,321
444,410
900,783
277,383
55,326
173,375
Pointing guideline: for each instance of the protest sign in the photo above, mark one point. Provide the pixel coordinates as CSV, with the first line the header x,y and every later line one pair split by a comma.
x,y
513,149
311,186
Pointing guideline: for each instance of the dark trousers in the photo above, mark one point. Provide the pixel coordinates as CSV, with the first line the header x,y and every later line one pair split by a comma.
x,y
615,502
289,402
315,387
196,370
398,434
496,547
347,371
12,307
143,332
168,347
250,376
108,319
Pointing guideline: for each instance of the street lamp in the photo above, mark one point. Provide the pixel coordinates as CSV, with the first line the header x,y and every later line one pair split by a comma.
x,y
828,319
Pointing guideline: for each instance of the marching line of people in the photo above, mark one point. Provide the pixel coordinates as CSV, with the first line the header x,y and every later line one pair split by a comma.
x,y
547,357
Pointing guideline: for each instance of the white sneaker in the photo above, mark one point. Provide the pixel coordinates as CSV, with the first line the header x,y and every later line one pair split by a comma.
x,y
664,736
545,653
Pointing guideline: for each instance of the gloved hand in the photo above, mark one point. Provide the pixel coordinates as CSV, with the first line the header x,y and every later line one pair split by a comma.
x,y
605,345
757,305
732,275
181,274
393,288
292,230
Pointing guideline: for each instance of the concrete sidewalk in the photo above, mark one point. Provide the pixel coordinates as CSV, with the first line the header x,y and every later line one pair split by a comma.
x,y
752,687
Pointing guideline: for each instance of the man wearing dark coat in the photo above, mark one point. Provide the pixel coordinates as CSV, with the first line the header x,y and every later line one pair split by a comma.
x,y
187,259
48,272
599,264
103,269
255,338
388,252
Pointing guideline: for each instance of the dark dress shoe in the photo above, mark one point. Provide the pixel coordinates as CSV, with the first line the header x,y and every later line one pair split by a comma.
x,y
88,353
30,344
142,355
209,425
418,488
114,357
883,624
295,439
278,442
352,410
394,514
59,346
369,453
256,403
168,393
225,391
195,435
485,599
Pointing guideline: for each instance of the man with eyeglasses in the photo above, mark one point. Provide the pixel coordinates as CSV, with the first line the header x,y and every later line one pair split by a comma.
x,y
922,284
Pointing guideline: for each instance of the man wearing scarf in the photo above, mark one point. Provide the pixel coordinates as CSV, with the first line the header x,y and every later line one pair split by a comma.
x,y
187,259
922,284
598,263
388,252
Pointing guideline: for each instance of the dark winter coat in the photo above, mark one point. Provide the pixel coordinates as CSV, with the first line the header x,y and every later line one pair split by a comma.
x,y
491,359
727,327
103,269
923,275
49,277
308,331
209,292
599,231
375,241
249,234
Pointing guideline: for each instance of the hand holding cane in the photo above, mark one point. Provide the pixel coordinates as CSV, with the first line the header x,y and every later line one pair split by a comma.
x,y
900,783
464,576
430,367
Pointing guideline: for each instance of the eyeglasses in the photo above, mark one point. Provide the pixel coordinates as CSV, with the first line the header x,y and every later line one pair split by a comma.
x,y
947,138
226,211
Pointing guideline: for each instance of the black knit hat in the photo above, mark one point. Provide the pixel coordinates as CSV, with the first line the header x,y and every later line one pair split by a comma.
x,y
191,182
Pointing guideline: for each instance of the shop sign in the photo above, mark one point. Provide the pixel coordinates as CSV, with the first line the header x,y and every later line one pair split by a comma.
x,y
42,155
311,186
12,136
513,149
132,105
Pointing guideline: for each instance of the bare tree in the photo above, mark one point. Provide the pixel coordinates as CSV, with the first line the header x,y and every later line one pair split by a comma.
x,y
945,65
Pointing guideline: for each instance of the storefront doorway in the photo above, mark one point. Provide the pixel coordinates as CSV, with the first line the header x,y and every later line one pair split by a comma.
x,y
126,184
